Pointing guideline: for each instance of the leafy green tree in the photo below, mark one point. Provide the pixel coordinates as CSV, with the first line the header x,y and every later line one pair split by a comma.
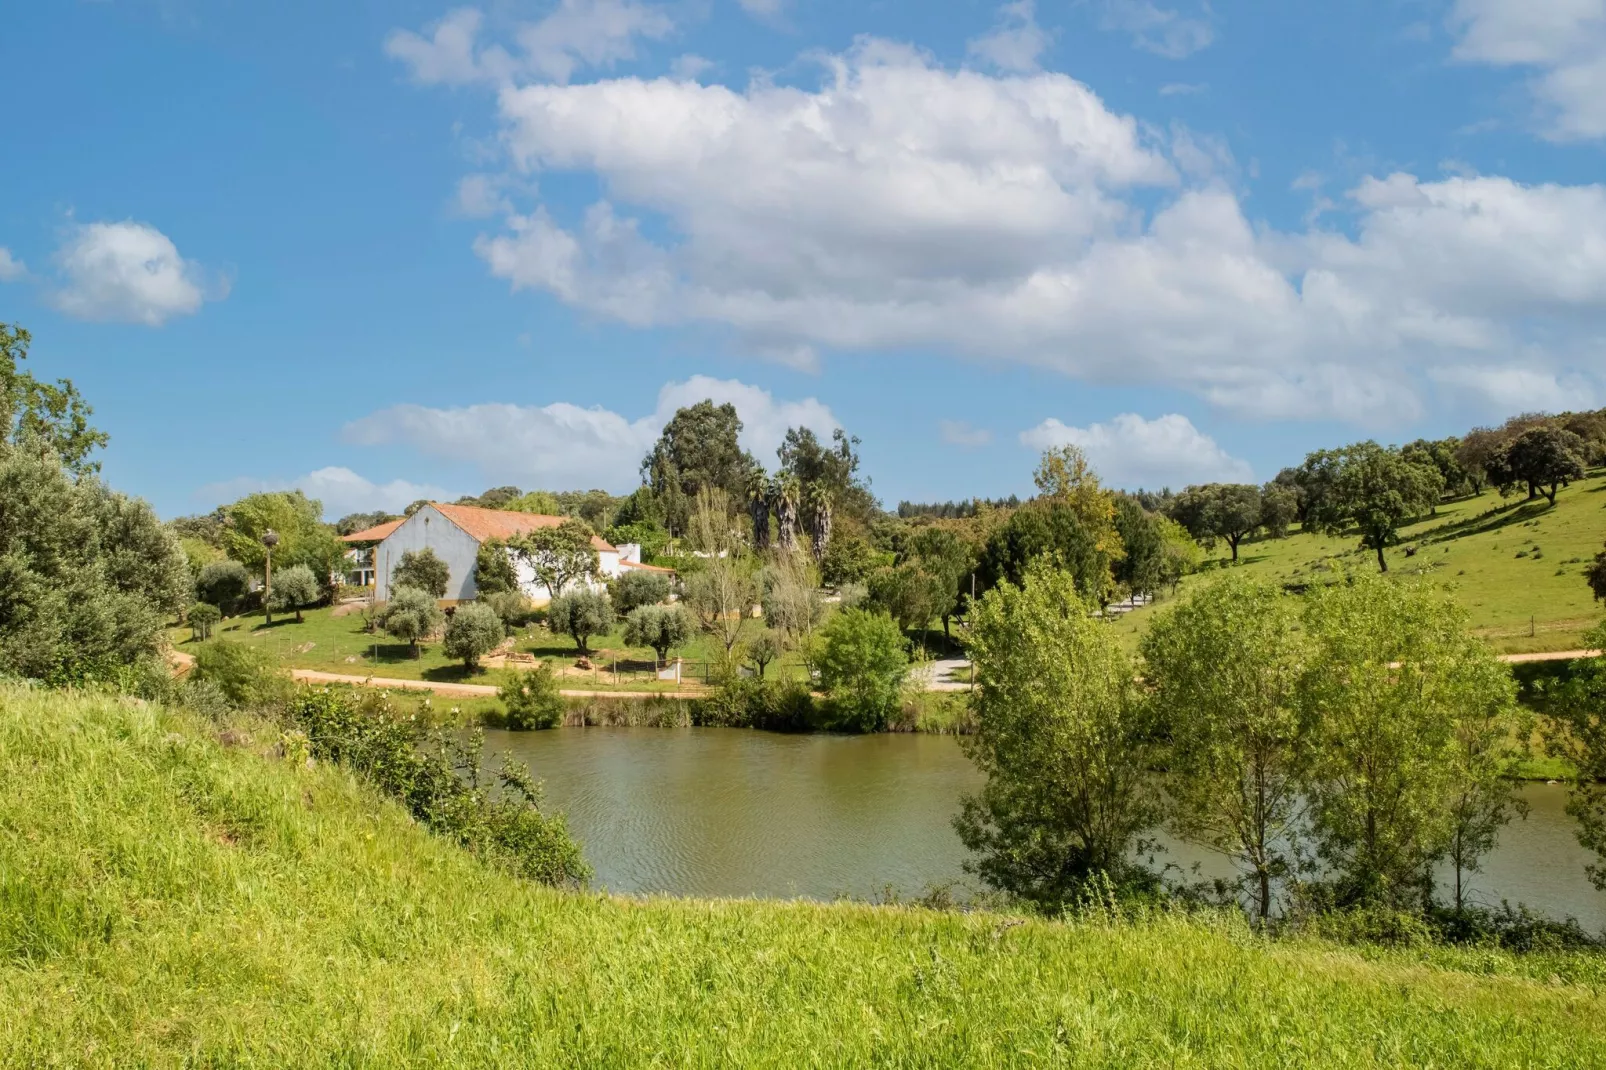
x,y
764,649
560,557
847,560
1180,555
295,588
43,417
1595,576
493,569
304,539
1544,458
1053,530
1441,454
222,583
352,523
862,664
580,614
1396,685
1225,667
816,482
791,596
473,631
532,699
1376,490
723,589
203,617
910,595
1142,570
411,615
88,578
638,587
539,502
947,557
1279,508
698,450
1578,703
423,570
1476,452
660,627
1064,740
651,537
1226,511
249,676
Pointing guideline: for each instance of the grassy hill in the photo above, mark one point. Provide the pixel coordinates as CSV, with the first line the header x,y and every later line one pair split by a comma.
x,y
1517,566
166,899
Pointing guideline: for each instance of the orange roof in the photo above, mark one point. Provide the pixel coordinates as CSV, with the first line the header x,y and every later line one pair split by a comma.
x,y
645,568
483,524
377,533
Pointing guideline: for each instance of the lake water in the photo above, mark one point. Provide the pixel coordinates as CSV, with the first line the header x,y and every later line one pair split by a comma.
x,y
734,812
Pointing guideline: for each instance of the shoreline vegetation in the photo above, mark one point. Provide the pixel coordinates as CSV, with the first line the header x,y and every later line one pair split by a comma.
x,y
182,889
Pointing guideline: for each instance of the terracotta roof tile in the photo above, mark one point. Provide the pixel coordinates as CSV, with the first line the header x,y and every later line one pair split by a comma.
x,y
377,533
483,524
645,568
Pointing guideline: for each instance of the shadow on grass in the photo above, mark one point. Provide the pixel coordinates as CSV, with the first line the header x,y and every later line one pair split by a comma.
x,y
457,674
1493,520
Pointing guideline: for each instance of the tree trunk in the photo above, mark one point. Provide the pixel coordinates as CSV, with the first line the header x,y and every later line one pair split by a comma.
x,y
298,615
1232,540
1265,896
1382,562
1551,494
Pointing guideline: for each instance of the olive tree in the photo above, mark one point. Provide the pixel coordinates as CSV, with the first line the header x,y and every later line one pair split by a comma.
x,y
203,617
474,630
1225,667
295,588
764,649
222,583
639,587
660,627
1403,707
410,615
1063,738
422,570
580,615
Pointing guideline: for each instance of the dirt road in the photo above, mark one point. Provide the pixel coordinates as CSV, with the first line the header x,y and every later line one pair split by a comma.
x,y
313,676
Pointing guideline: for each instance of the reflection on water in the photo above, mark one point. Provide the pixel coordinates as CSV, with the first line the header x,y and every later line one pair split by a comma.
x,y
732,812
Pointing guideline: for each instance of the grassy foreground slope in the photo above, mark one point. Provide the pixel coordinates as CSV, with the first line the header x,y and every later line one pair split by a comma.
x,y
1481,548
166,899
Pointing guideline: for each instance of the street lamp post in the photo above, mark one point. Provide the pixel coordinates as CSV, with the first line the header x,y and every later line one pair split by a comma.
x,y
270,539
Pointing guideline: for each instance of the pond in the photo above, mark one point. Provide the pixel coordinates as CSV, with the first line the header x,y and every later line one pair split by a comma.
x,y
733,812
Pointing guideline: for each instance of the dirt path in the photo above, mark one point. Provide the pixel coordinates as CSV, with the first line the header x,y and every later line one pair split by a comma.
x,y
313,676
1550,655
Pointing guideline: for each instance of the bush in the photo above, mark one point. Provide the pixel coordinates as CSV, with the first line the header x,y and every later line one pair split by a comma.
x,y
410,615
436,775
638,588
660,627
531,700
862,665
248,676
203,617
294,588
747,702
580,615
493,569
473,631
223,584
423,570
512,607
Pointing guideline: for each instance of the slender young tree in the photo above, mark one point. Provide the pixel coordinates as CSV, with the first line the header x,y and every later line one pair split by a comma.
x,y
1225,667
1064,740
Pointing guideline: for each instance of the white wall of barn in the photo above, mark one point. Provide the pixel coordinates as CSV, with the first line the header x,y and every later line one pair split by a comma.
x,y
429,528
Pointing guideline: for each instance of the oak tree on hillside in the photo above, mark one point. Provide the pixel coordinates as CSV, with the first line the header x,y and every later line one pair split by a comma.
x,y
1544,458
1227,511
1376,490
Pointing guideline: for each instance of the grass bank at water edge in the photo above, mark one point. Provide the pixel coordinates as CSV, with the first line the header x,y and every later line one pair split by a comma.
x,y
167,898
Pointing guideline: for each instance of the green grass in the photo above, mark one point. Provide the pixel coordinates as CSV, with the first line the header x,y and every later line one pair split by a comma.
x,y
338,644
166,900
1471,547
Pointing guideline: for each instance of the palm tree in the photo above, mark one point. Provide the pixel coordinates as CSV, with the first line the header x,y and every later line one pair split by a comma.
x,y
783,495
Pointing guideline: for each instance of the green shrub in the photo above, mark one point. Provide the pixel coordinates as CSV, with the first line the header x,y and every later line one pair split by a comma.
x,y
748,702
660,627
223,584
473,631
435,773
202,618
249,677
531,700
638,588
493,569
862,663
512,607
295,588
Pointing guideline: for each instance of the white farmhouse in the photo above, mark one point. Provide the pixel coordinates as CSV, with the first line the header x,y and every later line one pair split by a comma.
x,y
455,533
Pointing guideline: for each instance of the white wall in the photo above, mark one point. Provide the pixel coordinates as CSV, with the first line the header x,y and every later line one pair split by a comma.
x,y
428,528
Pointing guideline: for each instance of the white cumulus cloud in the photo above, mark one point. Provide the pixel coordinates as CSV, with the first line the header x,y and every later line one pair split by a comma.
x,y
126,271
1132,452
576,34
341,491
1562,41
11,269
562,446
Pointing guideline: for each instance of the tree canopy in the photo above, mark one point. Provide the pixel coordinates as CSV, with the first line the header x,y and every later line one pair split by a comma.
x,y
560,556
1373,489
424,570
1227,511
1543,458
699,449
48,417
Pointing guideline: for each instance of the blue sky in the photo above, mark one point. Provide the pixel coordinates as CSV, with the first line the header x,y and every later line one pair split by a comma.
x,y
382,251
